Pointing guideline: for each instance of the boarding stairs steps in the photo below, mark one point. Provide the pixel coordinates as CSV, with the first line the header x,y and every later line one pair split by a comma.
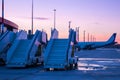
x,y
20,53
57,55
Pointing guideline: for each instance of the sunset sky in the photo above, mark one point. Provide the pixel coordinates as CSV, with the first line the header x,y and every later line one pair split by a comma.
x,y
100,18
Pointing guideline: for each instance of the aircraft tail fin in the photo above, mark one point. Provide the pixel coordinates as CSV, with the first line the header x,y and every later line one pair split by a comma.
x,y
112,38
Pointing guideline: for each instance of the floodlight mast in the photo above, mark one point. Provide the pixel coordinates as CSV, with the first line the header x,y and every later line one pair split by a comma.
x,y
2,26
32,19
54,18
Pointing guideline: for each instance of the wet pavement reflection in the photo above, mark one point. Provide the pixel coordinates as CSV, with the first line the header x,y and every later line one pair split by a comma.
x,y
98,63
102,64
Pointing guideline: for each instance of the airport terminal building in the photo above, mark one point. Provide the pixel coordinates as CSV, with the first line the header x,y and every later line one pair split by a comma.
x,y
8,25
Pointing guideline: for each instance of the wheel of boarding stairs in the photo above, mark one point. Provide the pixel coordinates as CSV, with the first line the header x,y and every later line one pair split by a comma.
x,y
76,65
34,63
71,66
47,69
42,63
37,61
67,68
2,62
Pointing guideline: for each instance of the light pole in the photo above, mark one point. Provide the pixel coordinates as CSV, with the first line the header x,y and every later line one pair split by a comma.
x,y
88,37
2,26
54,18
69,25
84,36
78,33
32,18
91,38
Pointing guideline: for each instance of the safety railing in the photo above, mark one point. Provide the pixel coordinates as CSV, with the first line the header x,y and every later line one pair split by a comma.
x,y
15,45
4,35
54,34
30,48
71,37
47,51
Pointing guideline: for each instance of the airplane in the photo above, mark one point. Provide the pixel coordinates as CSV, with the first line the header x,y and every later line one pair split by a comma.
x,y
94,45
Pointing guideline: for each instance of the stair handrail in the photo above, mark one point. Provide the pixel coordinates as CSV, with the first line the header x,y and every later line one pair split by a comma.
x,y
71,31
4,35
43,38
54,34
1,38
47,50
7,41
31,45
12,48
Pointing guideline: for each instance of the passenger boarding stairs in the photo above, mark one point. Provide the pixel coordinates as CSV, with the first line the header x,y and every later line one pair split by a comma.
x,y
23,51
19,56
58,54
6,40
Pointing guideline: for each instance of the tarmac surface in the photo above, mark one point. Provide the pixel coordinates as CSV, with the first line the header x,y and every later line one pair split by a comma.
x,y
100,64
